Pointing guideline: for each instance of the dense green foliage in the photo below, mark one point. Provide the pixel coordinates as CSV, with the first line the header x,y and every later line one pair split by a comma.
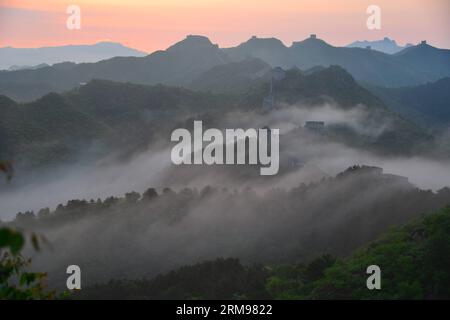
x,y
414,262
16,282
99,118
143,235
218,279
413,259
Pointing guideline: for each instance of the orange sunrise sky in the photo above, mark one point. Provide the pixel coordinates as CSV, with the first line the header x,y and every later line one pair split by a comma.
x,y
152,25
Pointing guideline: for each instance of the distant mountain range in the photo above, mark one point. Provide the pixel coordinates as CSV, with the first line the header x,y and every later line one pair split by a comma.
x,y
385,45
412,66
185,63
28,58
178,65
15,68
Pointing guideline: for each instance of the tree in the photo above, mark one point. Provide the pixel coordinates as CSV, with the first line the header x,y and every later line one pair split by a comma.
x,y
149,194
132,197
15,282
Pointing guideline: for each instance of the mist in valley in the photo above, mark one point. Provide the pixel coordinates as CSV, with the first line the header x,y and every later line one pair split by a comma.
x,y
100,178
225,211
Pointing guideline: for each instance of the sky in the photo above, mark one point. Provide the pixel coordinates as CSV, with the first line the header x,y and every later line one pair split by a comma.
x,y
151,25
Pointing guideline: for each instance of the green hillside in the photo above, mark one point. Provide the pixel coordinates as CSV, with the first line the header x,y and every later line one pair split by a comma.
x,y
104,116
97,118
413,259
414,262
335,86
427,104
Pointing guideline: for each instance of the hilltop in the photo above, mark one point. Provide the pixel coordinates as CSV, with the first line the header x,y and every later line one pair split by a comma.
x,y
189,61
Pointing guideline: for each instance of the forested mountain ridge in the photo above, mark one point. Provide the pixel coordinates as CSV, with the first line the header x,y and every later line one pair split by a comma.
x,y
185,61
412,259
152,225
110,115
335,86
177,65
103,115
233,77
427,104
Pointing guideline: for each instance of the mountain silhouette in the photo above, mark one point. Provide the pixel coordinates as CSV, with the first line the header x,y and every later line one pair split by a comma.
x,y
364,64
385,45
428,60
270,50
177,65
185,61
31,57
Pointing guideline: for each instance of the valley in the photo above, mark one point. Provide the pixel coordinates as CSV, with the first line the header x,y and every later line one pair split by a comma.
x,y
96,158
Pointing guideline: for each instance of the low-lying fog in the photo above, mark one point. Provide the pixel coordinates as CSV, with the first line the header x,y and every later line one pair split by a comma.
x,y
153,167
